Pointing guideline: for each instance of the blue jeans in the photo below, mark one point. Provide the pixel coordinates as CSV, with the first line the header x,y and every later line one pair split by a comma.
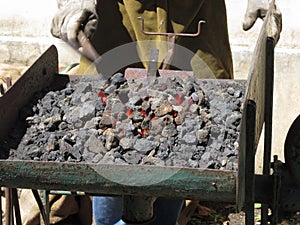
x,y
108,211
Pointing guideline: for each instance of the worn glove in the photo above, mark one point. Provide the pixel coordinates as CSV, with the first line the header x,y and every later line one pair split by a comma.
x,y
258,9
73,17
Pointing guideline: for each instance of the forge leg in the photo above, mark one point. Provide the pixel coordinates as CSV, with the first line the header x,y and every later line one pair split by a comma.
x,y
250,162
137,210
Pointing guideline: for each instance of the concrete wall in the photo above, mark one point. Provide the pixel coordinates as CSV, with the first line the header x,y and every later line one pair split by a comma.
x,y
24,35
25,31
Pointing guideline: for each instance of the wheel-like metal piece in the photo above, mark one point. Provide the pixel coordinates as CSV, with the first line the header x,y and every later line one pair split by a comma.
x,y
292,151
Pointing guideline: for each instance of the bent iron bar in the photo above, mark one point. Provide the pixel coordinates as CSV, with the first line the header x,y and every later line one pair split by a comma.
x,y
170,40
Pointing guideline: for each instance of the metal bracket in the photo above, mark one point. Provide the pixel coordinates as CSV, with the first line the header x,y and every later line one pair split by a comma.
x,y
152,67
171,40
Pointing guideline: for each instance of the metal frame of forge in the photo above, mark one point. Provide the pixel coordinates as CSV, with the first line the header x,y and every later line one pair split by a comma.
x,y
93,179
243,187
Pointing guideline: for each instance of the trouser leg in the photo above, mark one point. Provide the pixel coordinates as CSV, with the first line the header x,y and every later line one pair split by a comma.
x,y
107,210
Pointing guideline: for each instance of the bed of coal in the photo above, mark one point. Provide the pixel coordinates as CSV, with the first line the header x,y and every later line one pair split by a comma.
x,y
153,121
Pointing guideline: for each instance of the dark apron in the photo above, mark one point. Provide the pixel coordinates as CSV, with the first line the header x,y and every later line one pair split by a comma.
x,y
119,35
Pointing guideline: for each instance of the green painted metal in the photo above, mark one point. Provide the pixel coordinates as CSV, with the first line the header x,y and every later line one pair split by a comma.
x,y
97,179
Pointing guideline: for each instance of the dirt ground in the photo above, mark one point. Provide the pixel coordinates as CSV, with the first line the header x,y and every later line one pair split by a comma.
x,y
208,213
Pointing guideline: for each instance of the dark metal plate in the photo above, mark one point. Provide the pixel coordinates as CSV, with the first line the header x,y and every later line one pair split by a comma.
x,y
39,75
251,126
292,151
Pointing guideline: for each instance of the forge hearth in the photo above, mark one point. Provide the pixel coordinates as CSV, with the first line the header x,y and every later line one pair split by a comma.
x,y
153,121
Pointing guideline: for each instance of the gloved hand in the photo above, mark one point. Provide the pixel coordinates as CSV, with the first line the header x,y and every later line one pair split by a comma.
x,y
73,17
258,9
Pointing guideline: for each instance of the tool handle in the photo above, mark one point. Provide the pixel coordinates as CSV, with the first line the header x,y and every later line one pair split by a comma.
x,y
87,48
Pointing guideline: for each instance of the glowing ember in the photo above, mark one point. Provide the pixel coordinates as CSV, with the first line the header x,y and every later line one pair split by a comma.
x,y
143,132
144,112
103,97
129,112
153,119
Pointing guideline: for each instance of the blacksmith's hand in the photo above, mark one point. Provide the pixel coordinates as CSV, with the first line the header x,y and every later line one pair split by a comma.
x,y
258,9
73,17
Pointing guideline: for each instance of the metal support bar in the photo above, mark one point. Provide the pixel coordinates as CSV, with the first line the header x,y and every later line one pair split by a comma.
x,y
45,217
16,206
8,207
171,40
276,190
1,216
250,161
269,83
206,185
152,66
61,192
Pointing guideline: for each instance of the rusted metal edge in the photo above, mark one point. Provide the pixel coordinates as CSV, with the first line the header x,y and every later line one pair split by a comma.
x,y
105,179
138,73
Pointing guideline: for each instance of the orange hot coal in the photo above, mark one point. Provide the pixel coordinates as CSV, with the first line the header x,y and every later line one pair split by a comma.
x,y
103,97
143,132
175,113
129,112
